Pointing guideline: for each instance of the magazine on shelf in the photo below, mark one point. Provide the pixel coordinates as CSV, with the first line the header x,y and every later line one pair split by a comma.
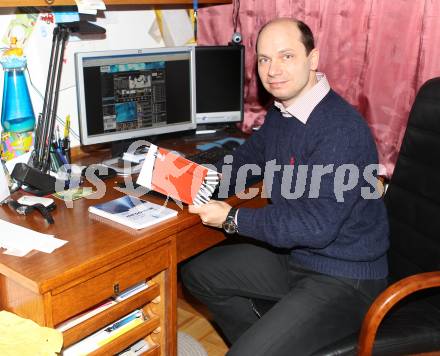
x,y
133,212
127,293
177,177
106,335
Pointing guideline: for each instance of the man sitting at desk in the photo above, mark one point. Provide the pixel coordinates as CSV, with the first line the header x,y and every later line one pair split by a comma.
x,y
320,248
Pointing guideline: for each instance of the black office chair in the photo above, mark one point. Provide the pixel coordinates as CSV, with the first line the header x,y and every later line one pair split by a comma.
x,y
410,311
406,315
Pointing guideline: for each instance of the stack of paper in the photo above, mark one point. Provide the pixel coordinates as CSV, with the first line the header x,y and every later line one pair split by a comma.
x,y
19,241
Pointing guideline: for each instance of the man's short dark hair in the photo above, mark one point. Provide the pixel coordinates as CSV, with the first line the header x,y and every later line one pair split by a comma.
x,y
306,34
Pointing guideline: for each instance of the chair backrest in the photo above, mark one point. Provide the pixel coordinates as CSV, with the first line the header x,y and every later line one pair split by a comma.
x,y
413,196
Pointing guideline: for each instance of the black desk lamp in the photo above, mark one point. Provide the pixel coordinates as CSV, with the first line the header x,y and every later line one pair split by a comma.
x,y
35,173
46,121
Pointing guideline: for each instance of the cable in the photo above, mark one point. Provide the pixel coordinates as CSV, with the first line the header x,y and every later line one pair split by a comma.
x,y
235,14
59,120
236,36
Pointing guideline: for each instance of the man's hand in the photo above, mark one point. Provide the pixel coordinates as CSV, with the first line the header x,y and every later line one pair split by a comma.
x,y
212,213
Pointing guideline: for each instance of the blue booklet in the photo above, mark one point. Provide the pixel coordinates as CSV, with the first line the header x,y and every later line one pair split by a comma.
x,y
133,212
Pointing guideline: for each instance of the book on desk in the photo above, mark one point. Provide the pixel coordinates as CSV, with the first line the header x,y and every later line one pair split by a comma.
x,y
133,212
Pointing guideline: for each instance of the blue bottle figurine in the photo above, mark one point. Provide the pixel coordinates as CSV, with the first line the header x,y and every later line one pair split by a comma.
x,y
17,112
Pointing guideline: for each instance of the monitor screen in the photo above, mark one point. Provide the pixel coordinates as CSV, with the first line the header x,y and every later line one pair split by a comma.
x,y
219,83
130,94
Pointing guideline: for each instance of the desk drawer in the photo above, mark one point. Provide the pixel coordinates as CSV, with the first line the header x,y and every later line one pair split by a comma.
x,y
93,291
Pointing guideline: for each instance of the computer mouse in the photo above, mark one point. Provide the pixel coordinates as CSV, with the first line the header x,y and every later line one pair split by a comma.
x,y
231,145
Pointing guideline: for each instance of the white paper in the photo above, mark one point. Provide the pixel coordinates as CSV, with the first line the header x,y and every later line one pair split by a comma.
x,y
4,189
18,240
89,6
146,175
17,252
177,27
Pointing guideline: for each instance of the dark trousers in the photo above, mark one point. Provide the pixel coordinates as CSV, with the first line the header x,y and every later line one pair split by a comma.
x,y
312,309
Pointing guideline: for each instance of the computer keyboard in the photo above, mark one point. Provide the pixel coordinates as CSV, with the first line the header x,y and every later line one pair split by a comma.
x,y
211,155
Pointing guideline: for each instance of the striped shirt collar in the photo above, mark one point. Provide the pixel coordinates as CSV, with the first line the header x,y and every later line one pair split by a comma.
x,y
304,105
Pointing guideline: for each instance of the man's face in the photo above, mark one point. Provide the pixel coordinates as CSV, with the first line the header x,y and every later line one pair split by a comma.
x,y
285,69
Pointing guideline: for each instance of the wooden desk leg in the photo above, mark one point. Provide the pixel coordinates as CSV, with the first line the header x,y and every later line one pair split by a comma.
x,y
167,306
19,300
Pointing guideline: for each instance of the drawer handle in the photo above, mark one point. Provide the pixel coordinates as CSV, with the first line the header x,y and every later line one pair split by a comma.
x,y
116,288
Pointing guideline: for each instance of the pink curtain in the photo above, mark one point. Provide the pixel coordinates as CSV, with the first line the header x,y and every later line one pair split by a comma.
x,y
376,54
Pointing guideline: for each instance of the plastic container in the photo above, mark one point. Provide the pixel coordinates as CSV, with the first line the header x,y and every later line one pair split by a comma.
x,y
17,112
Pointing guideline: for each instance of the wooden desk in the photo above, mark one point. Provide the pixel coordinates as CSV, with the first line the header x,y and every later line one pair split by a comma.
x,y
100,259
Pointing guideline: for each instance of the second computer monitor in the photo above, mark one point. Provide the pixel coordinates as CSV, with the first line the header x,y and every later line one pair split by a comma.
x,y
219,84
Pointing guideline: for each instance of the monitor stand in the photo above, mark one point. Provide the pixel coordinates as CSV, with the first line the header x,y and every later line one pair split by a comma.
x,y
119,147
124,166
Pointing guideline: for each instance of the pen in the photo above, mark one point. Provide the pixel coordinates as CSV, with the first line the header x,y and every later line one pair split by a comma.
x,y
195,7
67,127
66,140
61,156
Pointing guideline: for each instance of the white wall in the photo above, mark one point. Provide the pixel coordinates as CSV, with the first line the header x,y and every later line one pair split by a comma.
x,y
127,28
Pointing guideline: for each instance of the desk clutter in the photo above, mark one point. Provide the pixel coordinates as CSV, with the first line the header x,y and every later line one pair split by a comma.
x,y
85,276
162,171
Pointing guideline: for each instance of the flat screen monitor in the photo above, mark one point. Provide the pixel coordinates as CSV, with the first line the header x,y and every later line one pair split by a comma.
x,y
129,94
219,83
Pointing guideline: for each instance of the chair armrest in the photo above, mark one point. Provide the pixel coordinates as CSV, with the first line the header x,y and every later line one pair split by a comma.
x,y
386,300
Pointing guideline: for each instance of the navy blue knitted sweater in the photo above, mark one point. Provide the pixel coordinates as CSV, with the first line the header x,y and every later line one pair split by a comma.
x,y
328,227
